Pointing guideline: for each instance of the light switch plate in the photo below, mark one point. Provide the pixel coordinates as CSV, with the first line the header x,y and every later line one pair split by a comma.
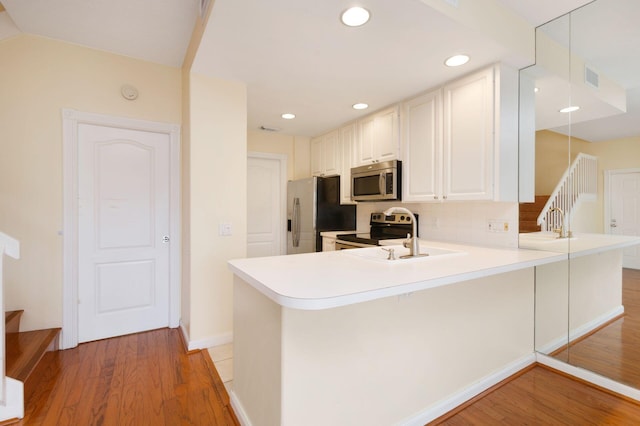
x,y
225,229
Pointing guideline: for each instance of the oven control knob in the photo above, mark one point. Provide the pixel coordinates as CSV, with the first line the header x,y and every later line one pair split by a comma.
x,y
401,217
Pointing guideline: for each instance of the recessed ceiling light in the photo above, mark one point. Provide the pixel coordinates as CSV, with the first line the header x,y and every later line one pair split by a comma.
x,y
570,109
536,90
355,16
360,105
288,116
456,61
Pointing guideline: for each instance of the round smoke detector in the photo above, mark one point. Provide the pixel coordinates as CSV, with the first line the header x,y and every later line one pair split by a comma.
x,y
129,92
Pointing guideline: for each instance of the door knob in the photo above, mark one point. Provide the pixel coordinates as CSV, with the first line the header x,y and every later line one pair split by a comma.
x,y
166,239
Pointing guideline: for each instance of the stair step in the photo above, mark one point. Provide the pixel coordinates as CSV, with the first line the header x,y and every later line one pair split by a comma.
x,y
26,349
12,321
529,213
528,216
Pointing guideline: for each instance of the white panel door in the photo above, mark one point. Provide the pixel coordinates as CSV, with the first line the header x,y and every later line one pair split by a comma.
x,y
625,212
265,207
123,231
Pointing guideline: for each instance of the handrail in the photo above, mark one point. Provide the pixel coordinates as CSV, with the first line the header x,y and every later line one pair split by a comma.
x,y
579,183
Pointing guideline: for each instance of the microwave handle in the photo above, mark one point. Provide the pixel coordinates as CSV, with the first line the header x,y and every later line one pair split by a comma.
x,y
382,183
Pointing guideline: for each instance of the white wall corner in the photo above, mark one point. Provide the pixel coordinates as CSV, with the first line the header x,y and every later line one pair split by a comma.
x,y
13,406
207,342
241,415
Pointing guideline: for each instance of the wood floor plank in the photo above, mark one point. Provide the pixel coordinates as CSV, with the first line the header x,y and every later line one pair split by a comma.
x,y
614,350
542,396
143,379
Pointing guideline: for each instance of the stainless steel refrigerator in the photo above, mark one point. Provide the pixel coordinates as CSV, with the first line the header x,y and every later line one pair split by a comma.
x,y
313,206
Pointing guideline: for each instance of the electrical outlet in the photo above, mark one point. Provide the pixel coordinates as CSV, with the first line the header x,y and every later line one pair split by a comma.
x,y
495,225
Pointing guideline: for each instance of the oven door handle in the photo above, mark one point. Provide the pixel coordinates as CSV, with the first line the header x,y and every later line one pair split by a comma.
x,y
382,183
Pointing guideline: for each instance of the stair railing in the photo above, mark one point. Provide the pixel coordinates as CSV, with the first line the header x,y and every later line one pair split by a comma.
x,y
10,247
579,183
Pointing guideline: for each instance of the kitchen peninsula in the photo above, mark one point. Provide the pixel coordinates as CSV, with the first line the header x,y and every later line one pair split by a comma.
x,y
349,337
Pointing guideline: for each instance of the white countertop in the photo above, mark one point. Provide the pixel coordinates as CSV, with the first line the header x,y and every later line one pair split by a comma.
x,y
578,245
325,280
334,234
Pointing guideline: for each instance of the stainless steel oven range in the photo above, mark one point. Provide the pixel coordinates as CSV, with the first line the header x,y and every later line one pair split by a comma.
x,y
393,226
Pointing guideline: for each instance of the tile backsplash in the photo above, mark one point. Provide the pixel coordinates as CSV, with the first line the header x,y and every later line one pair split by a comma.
x,y
478,223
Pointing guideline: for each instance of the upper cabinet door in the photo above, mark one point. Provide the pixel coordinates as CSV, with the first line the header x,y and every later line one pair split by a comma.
x,y
386,137
469,137
379,137
331,153
422,147
366,140
317,167
347,142
326,154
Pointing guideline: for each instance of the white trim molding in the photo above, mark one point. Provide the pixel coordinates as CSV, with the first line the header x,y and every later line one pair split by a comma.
x,y
596,379
444,406
71,119
208,342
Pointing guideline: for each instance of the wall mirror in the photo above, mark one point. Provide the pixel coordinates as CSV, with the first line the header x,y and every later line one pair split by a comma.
x,y
587,311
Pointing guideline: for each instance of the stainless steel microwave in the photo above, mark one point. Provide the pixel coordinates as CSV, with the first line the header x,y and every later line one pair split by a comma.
x,y
377,182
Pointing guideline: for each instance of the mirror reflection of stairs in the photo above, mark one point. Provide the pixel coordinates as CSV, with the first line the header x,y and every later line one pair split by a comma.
x,y
529,214
25,349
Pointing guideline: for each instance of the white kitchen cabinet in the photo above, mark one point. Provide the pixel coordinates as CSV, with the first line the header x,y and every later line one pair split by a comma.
x,y
347,144
325,155
459,143
468,137
378,137
422,148
329,243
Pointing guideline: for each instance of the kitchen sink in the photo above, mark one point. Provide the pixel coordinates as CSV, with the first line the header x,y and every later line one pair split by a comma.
x,y
381,254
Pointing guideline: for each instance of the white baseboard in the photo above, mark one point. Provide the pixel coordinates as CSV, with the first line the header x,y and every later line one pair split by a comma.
x,y
583,330
589,376
444,406
238,409
13,407
209,342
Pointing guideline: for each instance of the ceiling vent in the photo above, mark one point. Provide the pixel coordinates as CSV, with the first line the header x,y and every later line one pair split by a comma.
x,y
591,77
269,129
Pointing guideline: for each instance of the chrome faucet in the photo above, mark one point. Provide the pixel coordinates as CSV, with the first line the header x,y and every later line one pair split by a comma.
x,y
562,231
412,242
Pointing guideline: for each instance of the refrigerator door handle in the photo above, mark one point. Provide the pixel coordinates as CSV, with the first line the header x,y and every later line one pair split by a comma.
x,y
382,184
295,226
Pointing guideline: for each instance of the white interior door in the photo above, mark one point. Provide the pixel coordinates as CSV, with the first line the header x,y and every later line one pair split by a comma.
x,y
624,216
123,231
266,176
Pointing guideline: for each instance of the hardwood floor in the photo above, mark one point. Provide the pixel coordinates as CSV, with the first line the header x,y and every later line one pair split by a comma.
x,y
542,396
140,379
148,379
614,351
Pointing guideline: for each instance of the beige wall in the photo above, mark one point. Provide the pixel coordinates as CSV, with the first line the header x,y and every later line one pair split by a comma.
x,y
296,148
39,77
553,157
612,155
552,160
218,174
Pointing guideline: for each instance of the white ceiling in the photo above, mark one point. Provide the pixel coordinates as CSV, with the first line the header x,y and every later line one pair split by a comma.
x,y
294,55
153,30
